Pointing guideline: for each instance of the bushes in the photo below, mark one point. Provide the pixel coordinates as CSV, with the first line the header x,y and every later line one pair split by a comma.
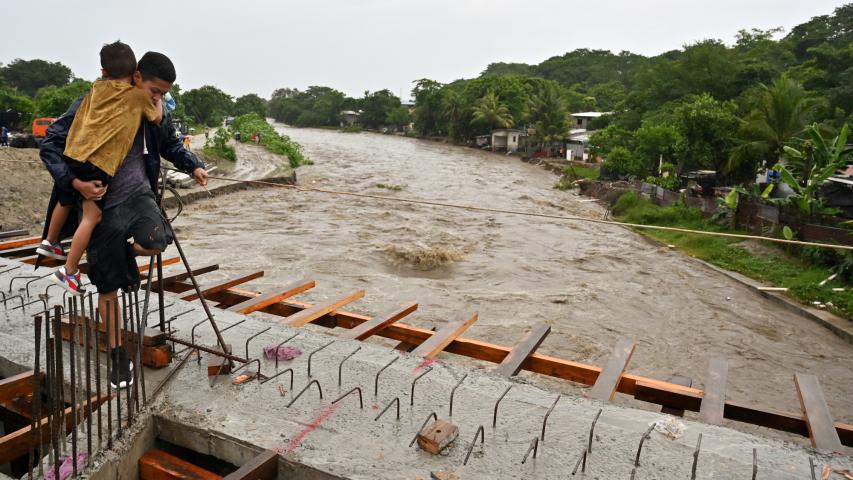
x,y
218,146
621,161
252,123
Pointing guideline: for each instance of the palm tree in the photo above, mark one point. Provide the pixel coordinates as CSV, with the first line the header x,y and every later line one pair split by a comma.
x,y
782,113
548,116
491,112
452,108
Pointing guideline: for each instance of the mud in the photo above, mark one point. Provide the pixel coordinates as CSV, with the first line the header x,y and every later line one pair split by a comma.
x,y
24,190
592,283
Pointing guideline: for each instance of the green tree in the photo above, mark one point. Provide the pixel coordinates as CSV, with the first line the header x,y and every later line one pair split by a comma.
x,y
428,106
453,111
621,161
15,108
207,105
28,76
706,127
490,112
781,113
376,106
548,116
250,103
399,117
54,101
654,141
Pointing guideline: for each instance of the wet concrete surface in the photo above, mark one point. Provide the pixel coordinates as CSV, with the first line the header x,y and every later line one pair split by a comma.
x,y
592,283
342,439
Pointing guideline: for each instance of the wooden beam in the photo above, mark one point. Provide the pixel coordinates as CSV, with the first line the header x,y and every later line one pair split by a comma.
x,y
318,310
445,335
262,467
605,385
17,385
816,412
511,364
713,405
673,410
20,242
167,261
159,465
18,443
272,296
176,279
643,388
224,285
380,321
14,233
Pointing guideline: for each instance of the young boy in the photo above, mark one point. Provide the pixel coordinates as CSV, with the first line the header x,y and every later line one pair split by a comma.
x,y
100,137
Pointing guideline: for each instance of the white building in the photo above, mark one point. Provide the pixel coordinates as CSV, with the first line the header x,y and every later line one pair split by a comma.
x,y
582,119
508,139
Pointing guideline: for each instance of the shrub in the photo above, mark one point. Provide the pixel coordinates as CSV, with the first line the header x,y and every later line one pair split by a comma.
x,y
252,123
218,146
621,161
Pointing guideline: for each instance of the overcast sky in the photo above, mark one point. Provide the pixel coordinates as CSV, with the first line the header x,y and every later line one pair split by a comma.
x,y
356,45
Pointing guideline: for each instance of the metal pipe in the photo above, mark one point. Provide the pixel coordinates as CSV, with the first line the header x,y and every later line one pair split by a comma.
x,y
495,415
481,432
319,390
453,392
392,402
547,414
642,440
280,373
250,339
431,415
310,355
279,346
376,379
412,396
360,401
340,365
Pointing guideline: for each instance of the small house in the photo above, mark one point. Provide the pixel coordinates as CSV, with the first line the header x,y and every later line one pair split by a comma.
x,y
581,120
349,117
508,139
576,144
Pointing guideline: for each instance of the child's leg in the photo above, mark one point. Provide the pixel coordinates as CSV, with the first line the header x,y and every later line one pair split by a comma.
x,y
57,220
91,218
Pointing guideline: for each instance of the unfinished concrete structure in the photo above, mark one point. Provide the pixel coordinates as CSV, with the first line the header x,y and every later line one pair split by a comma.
x,y
348,409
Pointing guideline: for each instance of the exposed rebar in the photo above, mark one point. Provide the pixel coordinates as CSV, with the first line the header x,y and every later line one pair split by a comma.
x,y
431,415
495,415
548,413
412,396
355,389
396,400
481,432
319,390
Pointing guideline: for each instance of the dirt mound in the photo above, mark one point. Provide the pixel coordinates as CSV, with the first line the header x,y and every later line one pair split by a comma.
x,y
24,190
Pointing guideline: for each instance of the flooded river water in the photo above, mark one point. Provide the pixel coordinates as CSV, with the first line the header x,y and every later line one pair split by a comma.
x,y
593,284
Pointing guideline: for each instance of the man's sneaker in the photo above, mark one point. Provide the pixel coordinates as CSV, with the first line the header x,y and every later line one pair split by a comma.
x,y
120,374
52,250
72,282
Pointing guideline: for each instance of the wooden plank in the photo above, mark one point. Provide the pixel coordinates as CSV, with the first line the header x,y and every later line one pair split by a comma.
x,y
511,364
262,467
13,233
713,405
17,443
224,285
318,310
167,261
437,436
674,410
20,242
605,385
175,279
159,465
441,338
380,321
643,388
816,411
272,296
17,385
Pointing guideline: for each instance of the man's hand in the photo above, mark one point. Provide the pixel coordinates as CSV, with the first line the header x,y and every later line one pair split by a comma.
x,y
91,190
200,176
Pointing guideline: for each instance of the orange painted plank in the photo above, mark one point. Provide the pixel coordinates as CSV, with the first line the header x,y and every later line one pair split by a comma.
x,y
440,339
17,385
262,467
21,242
225,285
318,310
167,261
605,385
159,465
511,364
818,419
380,321
273,296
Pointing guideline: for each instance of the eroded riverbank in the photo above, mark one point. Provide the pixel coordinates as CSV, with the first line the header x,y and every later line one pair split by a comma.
x,y
592,283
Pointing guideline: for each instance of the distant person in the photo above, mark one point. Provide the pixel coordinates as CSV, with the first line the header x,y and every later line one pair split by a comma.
x,y
207,133
258,138
99,139
4,136
187,142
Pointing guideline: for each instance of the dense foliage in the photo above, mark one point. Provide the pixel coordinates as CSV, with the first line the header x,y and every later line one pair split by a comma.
x,y
252,123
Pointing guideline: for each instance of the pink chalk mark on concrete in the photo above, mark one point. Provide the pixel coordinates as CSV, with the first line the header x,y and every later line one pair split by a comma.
x,y
312,425
424,363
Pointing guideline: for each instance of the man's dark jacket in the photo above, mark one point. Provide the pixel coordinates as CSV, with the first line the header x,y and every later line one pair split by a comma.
x,y
160,140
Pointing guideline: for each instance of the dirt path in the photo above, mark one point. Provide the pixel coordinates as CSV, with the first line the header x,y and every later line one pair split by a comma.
x,y
592,283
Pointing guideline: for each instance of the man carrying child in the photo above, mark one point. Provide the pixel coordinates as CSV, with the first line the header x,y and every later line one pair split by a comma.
x,y
107,124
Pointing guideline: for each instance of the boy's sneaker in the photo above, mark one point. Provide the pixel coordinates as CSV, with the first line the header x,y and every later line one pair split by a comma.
x,y
72,282
52,250
121,373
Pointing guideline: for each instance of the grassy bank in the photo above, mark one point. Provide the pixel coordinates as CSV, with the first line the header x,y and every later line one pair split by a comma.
x,y
573,173
273,141
798,270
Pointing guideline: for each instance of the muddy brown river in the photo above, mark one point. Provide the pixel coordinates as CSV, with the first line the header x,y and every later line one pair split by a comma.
x,y
593,284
